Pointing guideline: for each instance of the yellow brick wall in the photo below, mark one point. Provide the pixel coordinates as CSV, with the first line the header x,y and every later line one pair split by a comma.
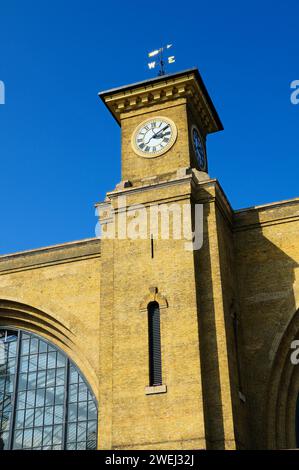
x,y
85,297
55,293
173,419
135,167
267,259
89,298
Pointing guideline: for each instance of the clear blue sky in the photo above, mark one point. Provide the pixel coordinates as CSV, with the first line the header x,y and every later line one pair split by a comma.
x,y
59,146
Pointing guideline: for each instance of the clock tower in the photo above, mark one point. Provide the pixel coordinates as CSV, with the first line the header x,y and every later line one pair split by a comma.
x,y
177,328
164,122
165,379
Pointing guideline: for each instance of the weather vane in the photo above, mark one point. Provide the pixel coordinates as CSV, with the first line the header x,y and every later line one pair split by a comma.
x,y
160,62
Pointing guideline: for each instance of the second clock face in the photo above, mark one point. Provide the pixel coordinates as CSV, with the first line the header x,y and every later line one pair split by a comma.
x,y
199,149
154,137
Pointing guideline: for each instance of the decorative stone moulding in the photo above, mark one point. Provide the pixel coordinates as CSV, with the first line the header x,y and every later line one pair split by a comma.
x,y
153,296
186,85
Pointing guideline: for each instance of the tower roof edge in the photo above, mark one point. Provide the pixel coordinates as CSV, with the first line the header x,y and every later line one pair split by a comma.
x,y
187,83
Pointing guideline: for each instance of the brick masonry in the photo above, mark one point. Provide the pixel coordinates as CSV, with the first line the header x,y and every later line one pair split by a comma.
x,y
220,391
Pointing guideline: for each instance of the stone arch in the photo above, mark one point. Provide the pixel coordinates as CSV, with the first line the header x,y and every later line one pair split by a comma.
x,y
153,296
22,316
283,391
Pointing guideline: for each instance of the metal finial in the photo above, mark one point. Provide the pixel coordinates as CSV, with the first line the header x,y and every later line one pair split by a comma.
x,y
160,62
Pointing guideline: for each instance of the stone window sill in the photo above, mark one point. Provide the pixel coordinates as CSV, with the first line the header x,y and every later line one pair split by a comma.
x,y
155,389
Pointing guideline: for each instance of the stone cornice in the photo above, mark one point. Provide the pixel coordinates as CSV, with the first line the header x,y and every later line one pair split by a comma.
x,y
52,255
147,187
270,206
187,85
203,191
275,213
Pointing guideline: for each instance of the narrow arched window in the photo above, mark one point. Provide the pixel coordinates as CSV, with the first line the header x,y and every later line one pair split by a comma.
x,y
154,341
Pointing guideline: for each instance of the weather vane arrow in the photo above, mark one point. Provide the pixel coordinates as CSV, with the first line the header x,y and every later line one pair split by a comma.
x,y
160,61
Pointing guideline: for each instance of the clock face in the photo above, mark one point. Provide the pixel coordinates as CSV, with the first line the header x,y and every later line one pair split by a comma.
x,y
154,137
199,149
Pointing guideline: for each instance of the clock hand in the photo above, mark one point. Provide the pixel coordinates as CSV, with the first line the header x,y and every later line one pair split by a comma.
x,y
160,135
153,136
146,143
157,135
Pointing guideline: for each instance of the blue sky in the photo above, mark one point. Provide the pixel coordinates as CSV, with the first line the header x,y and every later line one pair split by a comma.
x,y
60,147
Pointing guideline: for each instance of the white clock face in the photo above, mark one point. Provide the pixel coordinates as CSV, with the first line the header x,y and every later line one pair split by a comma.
x,y
154,137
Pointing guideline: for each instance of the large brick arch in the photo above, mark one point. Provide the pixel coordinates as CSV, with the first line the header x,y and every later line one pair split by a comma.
x,y
283,392
21,316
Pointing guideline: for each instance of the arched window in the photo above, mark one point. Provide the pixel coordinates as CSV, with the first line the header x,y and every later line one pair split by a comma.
x,y
154,341
45,403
